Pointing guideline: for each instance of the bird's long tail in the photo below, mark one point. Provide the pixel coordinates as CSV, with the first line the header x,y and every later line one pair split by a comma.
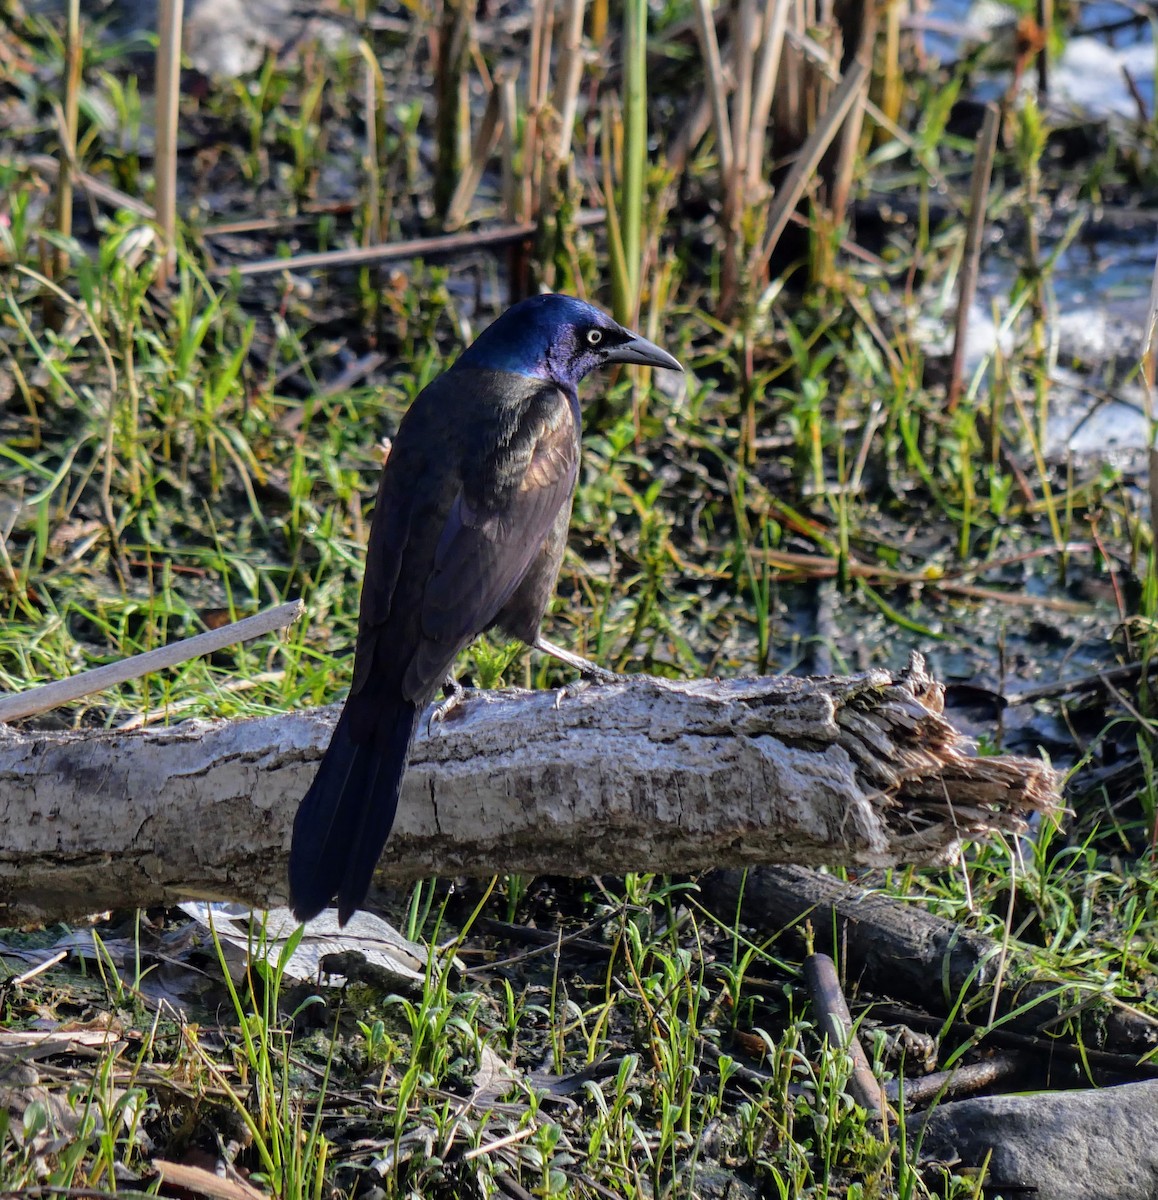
x,y
345,818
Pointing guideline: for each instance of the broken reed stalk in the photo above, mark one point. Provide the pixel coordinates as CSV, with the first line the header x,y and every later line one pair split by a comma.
x,y
97,189
452,100
1149,361
846,157
503,235
509,119
1045,23
372,91
717,87
809,156
486,141
539,60
568,76
771,50
170,18
64,691
744,65
634,161
971,258
68,119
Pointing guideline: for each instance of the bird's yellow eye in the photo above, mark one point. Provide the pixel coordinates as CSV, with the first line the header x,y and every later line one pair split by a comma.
x,y
594,337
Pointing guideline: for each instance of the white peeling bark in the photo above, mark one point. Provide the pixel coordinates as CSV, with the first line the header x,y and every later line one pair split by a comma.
x,y
643,774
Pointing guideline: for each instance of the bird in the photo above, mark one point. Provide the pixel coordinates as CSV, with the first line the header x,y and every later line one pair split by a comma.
x,y
468,534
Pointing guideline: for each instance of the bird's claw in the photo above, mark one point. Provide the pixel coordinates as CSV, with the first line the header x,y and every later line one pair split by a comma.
x,y
453,695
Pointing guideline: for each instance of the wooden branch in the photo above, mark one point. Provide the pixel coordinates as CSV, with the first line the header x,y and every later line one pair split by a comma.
x,y
900,950
643,774
64,691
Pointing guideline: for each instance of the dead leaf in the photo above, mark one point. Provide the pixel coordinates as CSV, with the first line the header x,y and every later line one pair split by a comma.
x,y
205,1183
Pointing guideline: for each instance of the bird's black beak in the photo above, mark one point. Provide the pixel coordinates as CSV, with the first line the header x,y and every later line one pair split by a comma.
x,y
643,353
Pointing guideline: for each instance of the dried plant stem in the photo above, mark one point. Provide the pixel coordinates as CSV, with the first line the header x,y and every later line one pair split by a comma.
x,y
810,154
717,87
452,116
745,63
539,56
372,89
68,127
170,16
634,155
509,116
1045,22
772,46
974,233
486,141
846,156
569,74
451,243
64,691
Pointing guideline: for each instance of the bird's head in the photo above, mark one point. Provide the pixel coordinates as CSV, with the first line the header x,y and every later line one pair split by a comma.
x,y
560,339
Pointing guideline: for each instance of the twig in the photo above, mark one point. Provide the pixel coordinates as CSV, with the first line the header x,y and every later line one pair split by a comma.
x,y
775,21
978,202
811,152
960,1081
1108,679
486,141
569,74
835,1022
170,15
44,164
68,117
452,243
716,86
64,691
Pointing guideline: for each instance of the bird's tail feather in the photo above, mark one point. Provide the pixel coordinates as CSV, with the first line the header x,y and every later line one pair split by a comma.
x,y
345,818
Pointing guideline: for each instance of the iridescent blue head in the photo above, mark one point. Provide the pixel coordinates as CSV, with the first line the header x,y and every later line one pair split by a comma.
x,y
561,339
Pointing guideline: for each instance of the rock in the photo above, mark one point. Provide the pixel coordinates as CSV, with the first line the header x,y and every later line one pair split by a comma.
x,y
1078,1145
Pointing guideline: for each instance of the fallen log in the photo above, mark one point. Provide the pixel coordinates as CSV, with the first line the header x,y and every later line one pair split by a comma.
x,y
889,948
641,774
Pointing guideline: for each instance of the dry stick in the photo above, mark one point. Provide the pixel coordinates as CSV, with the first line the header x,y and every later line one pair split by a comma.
x,y
810,155
44,164
838,199
170,15
371,84
509,115
453,243
960,1081
1045,21
64,691
68,127
836,1024
1149,357
569,74
775,21
742,105
717,88
485,143
1081,684
978,201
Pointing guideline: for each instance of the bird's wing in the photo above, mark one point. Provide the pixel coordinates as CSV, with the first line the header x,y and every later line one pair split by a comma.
x,y
496,526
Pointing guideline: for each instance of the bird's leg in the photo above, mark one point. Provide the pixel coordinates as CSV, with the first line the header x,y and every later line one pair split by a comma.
x,y
453,694
590,672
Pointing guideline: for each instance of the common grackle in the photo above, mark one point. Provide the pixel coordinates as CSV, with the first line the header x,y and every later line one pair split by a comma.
x,y
468,533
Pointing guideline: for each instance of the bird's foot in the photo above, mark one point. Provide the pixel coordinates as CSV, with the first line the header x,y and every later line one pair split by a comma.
x,y
453,694
589,672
